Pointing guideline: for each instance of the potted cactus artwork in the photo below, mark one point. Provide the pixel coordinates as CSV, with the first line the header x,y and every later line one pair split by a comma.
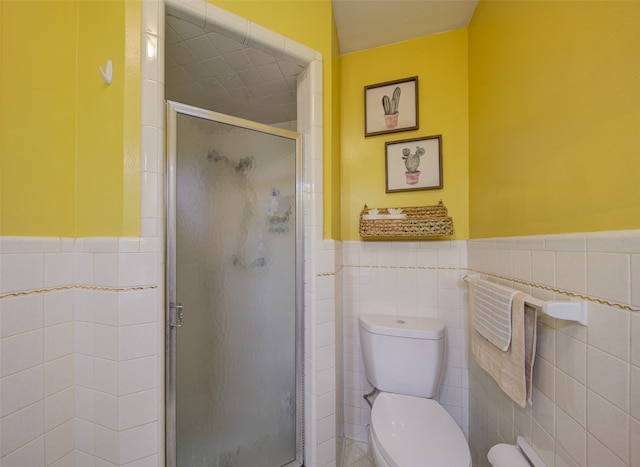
x,y
411,162
390,106
393,115
414,164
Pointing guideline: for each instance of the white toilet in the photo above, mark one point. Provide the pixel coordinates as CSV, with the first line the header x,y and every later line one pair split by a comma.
x,y
404,359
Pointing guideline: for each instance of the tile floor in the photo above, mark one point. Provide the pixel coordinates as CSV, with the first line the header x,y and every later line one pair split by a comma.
x,y
356,454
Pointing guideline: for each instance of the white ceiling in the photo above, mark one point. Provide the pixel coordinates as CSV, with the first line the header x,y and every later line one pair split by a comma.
x,y
211,71
364,24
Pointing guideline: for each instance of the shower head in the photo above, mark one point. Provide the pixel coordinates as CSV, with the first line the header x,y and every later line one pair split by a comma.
x,y
214,156
243,164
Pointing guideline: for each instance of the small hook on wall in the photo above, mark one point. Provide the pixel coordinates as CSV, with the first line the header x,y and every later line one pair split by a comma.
x,y
107,74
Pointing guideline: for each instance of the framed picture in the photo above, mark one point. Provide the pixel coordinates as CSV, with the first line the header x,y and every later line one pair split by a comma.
x,y
414,164
391,107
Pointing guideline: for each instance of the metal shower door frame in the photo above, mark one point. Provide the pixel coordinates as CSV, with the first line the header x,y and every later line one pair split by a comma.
x,y
173,310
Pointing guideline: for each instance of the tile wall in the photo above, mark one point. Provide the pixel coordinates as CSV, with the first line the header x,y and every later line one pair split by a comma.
x,y
79,365
410,279
586,396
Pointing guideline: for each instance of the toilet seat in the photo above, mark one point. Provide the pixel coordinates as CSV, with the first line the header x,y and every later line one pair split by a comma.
x,y
416,432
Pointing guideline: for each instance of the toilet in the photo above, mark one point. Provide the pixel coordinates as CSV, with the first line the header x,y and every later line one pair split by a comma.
x,y
403,359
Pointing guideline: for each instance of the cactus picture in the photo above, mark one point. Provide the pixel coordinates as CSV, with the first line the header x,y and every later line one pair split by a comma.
x,y
414,164
412,161
391,107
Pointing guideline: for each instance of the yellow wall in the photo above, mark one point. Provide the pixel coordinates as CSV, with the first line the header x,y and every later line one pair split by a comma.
x,y
310,23
440,62
554,92
39,117
68,165
69,154
540,128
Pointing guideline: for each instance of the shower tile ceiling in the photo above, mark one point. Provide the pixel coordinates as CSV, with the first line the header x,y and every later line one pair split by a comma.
x,y
211,71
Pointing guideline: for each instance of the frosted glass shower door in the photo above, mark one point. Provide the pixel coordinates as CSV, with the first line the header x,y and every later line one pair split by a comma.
x,y
233,328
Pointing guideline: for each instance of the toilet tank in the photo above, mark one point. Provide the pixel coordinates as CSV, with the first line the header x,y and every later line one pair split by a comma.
x,y
403,355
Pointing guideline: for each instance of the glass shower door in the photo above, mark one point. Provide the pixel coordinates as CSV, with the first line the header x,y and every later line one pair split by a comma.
x,y
233,326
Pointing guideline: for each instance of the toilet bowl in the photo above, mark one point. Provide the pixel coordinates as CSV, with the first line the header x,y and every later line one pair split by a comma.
x,y
409,431
404,359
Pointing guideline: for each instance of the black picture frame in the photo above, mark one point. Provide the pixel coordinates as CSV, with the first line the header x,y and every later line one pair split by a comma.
x,y
391,107
414,164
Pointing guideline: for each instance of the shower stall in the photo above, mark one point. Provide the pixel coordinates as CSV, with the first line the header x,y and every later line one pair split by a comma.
x,y
234,326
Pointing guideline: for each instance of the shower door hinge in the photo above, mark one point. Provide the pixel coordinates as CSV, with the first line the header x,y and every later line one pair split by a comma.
x,y
175,315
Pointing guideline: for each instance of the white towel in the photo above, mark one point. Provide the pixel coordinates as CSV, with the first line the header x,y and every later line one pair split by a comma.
x,y
512,370
493,313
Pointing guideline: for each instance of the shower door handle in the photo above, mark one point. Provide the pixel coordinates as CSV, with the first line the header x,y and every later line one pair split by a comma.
x,y
175,315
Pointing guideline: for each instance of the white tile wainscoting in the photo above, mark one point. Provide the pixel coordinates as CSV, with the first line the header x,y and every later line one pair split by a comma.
x,y
80,370
586,396
406,279
586,407
79,352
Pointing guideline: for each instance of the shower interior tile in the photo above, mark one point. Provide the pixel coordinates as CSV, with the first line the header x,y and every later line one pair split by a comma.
x,y
31,453
59,442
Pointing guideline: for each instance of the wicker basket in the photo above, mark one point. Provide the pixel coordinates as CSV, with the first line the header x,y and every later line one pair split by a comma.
x,y
421,221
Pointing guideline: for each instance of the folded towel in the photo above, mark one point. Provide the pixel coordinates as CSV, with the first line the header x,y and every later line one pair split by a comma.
x,y
512,370
493,312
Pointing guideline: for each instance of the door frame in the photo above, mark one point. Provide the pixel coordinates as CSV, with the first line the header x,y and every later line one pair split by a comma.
x,y
171,327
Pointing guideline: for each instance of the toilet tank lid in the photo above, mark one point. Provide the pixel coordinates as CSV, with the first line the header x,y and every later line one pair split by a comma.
x,y
402,326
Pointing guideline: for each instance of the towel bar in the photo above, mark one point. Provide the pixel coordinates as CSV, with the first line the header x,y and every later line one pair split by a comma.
x,y
570,310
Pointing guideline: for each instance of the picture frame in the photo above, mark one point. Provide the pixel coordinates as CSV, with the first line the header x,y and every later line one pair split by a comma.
x,y
414,164
391,107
